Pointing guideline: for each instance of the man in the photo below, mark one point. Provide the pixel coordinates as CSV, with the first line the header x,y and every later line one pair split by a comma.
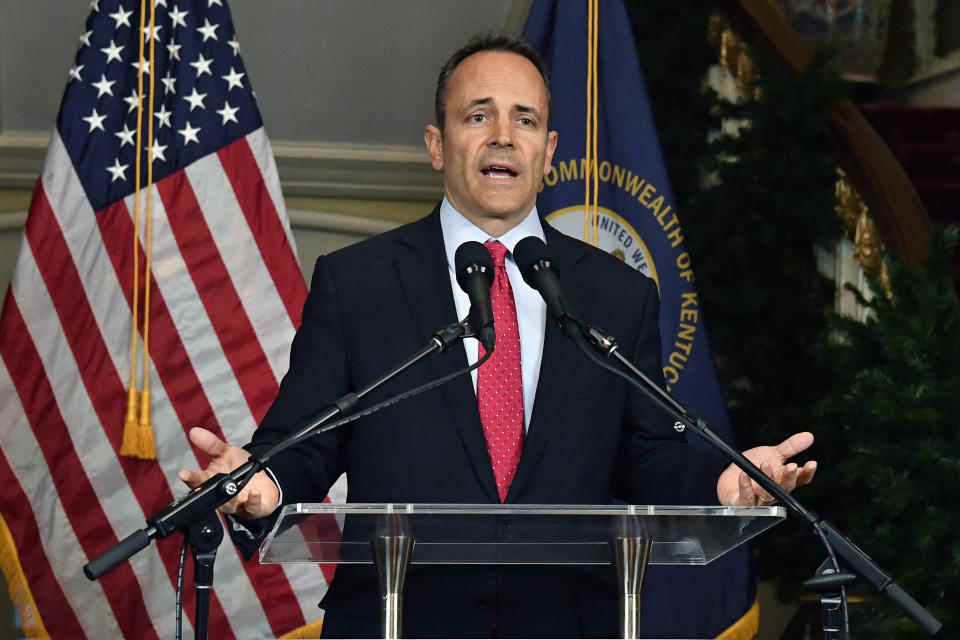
x,y
575,434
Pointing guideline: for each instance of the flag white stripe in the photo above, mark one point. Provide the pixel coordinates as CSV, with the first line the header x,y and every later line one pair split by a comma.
x,y
79,229
66,557
192,324
263,154
240,254
306,580
308,586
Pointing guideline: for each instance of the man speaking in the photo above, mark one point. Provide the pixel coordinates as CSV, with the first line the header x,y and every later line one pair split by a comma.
x,y
538,423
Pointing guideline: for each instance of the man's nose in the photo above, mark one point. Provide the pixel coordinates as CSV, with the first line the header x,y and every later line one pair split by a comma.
x,y
502,135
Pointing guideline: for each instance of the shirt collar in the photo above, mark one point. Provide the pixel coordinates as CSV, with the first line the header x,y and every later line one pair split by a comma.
x,y
457,230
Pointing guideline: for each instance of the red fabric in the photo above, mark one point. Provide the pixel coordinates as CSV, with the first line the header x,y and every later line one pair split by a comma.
x,y
499,382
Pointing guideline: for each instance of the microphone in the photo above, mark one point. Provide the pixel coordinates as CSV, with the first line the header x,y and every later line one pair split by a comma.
x,y
540,273
474,269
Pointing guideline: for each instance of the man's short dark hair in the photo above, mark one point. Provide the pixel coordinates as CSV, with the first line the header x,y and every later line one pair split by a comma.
x,y
509,42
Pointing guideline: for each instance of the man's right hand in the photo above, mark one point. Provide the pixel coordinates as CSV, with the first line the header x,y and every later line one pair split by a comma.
x,y
259,498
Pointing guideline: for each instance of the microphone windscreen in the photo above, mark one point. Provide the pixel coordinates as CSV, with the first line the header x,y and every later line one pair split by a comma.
x,y
531,253
469,255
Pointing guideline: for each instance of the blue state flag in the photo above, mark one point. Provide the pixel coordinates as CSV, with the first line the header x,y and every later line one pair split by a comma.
x,y
638,222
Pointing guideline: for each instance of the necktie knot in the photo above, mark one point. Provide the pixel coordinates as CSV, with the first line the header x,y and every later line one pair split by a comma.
x,y
498,252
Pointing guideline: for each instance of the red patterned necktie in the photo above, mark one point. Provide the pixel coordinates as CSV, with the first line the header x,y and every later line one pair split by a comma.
x,y
499,383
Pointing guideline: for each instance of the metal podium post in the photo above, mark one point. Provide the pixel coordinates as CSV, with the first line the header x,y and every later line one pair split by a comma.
x,y
630,555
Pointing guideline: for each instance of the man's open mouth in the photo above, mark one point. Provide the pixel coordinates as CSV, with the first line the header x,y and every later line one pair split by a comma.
x,y
498,171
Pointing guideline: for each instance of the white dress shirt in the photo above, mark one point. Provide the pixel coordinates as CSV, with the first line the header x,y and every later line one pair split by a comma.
x,y
531,309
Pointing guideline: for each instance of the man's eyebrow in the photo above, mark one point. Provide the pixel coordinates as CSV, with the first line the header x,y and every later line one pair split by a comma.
x,y
521,108
479,102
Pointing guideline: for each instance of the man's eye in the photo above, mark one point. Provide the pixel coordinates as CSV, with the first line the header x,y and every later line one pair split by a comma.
x,y
477,117
527,122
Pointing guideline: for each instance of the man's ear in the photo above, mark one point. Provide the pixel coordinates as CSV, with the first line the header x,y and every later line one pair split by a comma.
x,y
551,148
434,141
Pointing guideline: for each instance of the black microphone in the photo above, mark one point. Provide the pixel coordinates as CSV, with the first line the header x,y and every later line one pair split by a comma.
x,y
474,268
540,273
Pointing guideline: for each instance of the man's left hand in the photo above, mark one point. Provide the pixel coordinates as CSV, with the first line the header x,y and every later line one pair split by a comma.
x,y
736,489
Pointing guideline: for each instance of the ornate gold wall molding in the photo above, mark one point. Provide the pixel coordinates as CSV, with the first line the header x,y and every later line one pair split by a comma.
x,y
897,211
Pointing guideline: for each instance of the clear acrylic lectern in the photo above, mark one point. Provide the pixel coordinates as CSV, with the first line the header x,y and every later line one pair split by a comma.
x,y
627,537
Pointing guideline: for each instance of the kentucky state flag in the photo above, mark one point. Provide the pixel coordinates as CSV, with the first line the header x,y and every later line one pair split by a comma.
x,y
638,222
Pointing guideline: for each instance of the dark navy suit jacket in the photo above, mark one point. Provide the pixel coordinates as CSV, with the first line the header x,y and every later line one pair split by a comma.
x,y
590,439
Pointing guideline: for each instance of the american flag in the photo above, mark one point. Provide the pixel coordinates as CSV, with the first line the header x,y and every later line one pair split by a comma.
x,y
225,299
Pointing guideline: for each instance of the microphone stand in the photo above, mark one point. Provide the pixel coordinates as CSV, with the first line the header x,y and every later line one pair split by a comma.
x,y
204,536
837,544
195,513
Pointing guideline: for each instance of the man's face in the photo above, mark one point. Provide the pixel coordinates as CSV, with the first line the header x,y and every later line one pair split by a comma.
x,y
495,147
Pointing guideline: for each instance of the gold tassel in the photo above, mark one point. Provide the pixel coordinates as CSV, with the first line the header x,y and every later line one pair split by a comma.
x,y
147,449
128,445
138,433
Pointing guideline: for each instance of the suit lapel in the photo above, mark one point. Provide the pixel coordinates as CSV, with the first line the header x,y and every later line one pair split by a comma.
x,y
559,363
425,279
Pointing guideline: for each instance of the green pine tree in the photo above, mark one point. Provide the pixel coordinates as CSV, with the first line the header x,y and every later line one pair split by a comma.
x,y
891,421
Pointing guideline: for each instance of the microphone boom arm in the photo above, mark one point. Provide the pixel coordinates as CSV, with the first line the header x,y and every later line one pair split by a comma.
x,y
223,487
832,537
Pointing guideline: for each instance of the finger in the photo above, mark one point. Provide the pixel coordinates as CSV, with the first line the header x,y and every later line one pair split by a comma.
x,y
208,442
806,473
192,478
795,444
788,479
764,498
767,467
748,495
254,503
231,507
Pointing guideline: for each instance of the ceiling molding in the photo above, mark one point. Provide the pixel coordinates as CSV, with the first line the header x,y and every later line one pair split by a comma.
x,y
21,158
12,220
356,170
338,222
306,169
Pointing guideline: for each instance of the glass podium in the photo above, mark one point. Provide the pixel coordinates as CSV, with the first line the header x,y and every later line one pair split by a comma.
x,y
626,537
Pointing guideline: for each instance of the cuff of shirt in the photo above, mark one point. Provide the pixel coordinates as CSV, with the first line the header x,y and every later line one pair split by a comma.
x,y
247,533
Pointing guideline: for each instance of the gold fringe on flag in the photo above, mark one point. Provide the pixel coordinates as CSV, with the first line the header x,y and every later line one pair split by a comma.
x,y
20,594
138,439
309,630
746,627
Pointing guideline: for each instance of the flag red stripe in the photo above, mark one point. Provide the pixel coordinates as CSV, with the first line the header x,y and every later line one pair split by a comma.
x,y
239,341
79,501
100,378
184,391
261,214
23,527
